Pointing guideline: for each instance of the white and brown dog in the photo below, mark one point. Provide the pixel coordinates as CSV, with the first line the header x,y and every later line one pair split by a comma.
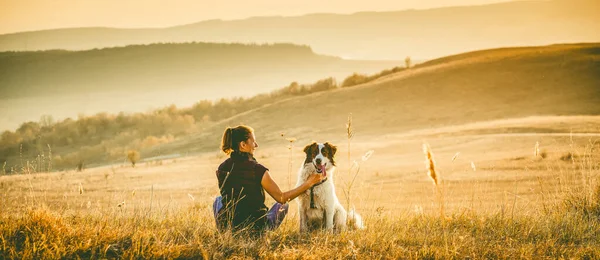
x,y
319,207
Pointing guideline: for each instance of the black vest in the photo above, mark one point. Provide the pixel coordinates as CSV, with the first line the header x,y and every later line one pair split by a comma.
x,y
243,196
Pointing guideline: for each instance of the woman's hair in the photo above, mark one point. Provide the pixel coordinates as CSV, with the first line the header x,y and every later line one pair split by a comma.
x,y
233,136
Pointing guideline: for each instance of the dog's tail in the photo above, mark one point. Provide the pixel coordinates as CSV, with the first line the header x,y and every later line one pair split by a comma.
x,y
355,220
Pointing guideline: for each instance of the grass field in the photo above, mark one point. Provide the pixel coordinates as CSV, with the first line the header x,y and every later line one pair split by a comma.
x,y
500,200
514,134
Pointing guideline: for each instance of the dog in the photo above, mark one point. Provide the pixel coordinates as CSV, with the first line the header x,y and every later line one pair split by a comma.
x,y
323,210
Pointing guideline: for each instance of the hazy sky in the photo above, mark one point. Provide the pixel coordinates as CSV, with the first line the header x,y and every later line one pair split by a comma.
x,y
28,15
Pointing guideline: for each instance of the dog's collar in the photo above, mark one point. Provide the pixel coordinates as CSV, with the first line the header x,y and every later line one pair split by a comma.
x,y
323,181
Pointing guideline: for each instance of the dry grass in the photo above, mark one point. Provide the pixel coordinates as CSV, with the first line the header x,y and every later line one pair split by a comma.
x,y
152,211
503,208
188,233
437,182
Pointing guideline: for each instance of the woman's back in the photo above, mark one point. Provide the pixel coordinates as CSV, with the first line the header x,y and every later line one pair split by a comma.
x,y
243,195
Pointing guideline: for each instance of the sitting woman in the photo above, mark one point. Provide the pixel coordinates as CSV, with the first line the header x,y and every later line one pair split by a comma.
x,y
242,182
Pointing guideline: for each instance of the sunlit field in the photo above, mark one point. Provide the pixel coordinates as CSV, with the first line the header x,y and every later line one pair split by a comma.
x,y
499,195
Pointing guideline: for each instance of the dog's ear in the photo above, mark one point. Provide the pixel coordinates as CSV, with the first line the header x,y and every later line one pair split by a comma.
x,y
307,148
332,150
308,151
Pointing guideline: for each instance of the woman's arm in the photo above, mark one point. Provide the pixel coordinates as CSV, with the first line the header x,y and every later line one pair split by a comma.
x,y
283,197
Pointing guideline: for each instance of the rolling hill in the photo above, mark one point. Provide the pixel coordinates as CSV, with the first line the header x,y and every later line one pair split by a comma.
x,y
557,80
421,34
140,77
176,66
544,90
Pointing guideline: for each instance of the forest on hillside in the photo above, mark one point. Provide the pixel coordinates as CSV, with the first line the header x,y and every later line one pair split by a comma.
x,y
47,145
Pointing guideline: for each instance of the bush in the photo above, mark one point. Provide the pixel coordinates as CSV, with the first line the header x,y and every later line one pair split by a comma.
x,y
354,80
544,154
133,156
567,157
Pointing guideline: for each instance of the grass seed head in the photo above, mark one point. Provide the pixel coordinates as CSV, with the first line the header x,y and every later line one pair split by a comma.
x,y
455,156
367,155
430,164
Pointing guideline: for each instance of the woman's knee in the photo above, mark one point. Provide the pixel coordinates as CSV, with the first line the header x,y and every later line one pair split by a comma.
x,y
217,205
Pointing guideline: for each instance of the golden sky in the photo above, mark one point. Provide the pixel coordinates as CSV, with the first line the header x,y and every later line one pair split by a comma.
x,y
28,15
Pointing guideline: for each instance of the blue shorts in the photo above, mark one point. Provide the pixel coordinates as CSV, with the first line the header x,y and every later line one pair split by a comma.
x,y
275,215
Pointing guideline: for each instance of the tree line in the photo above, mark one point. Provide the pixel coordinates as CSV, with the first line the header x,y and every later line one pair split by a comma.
x,y
104,137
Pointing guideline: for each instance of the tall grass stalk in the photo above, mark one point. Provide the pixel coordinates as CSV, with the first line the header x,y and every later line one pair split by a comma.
x,y
349,136
21,157
290,160
357,167
49,158
435,177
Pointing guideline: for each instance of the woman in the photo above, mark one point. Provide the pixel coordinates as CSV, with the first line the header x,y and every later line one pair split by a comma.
x,y
242,181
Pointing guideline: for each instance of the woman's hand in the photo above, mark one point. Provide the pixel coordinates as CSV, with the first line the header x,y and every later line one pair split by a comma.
x,y
315,178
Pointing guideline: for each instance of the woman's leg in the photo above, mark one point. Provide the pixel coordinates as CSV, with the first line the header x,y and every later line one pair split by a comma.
x,y
217,205
276,215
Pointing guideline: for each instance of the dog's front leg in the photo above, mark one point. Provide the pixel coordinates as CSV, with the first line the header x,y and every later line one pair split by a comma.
x,y
303,221
340,219
329,214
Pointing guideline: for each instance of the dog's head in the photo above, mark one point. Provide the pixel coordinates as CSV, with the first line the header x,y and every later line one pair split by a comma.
x,y
320,156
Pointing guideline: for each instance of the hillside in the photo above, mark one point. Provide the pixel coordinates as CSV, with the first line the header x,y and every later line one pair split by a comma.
x,y
140,77
176,66
364,35
455,95
480,86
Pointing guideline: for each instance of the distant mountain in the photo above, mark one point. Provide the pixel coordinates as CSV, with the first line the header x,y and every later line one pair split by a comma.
x,y
421,34
139,77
